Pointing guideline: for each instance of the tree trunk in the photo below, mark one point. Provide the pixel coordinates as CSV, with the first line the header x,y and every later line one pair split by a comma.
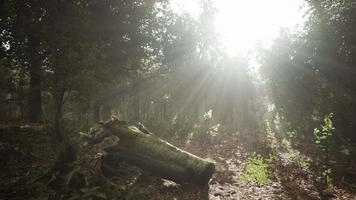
x,y
148,152
106,112
96,111
58,114
20,91
34,59
136,100
35,99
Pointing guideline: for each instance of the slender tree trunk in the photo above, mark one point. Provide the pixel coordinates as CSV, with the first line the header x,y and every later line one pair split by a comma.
x,y
106,114
136,101
121,108
58,115
96,111
57,118
35,99
20,91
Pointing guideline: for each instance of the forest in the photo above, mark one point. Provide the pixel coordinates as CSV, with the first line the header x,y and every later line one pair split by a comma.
x,y
176,100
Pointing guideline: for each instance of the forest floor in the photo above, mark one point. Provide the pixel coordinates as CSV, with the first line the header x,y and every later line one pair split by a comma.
x,y
294,180
27,154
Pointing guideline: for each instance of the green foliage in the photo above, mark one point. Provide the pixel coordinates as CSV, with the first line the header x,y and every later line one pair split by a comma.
x,y
286,143
256,170
271,137
290,153
204,132
327,175
181,127
208,115
306,72
322,136
344,150
322,141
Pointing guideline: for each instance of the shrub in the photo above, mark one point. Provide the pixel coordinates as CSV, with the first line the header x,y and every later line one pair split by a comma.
x,y
323,142
256,170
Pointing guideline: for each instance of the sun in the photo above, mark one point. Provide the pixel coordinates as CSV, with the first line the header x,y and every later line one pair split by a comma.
x,y
243,24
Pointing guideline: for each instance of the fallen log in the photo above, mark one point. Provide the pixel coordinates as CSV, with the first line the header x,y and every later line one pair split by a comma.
x,y
147,151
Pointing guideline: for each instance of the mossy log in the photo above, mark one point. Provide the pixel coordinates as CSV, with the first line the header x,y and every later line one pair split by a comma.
x,y
147,151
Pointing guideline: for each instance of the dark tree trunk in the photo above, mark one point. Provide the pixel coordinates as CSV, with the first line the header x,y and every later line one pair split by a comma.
x,y
57,118
35,99
96,111
106,112
58,115
136,101
32,38
20,91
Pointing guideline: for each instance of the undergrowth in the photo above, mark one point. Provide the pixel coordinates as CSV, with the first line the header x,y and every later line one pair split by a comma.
x,y
256,170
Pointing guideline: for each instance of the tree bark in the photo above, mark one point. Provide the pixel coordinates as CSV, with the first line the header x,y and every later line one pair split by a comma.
x,y
148,152
58,114
35,98
96,111
136,100
32,37
106,112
